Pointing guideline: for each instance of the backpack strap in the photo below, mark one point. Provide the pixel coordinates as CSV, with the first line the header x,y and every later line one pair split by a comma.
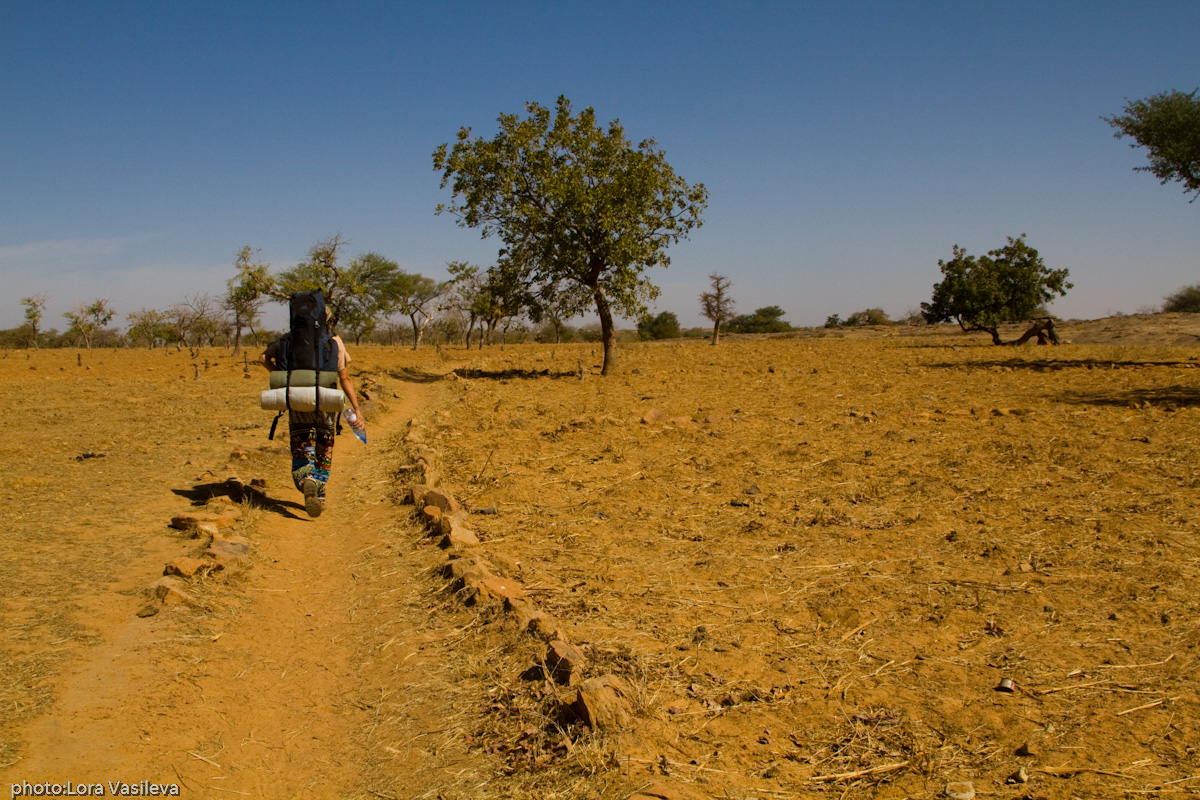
x,y
274,423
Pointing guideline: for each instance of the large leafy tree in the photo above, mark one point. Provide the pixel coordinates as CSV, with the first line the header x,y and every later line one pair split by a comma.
x,y
373,285
580,210
1009,284
357,294
1168,126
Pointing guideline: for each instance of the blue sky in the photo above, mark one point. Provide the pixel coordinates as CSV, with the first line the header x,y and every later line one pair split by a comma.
x,y
846,146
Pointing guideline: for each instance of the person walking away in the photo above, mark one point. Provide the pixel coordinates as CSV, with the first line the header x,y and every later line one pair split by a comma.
x,y
311,433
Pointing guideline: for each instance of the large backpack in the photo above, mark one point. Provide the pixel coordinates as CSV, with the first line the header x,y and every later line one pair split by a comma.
x,y
308,344
306,356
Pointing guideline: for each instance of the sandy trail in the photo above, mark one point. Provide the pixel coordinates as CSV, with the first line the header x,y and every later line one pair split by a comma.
x,y
277,690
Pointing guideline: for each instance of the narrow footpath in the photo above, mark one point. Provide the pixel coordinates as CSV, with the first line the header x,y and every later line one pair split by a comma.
x,y
320,673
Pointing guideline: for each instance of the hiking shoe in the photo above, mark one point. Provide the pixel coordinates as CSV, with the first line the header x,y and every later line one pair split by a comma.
x,y
314,503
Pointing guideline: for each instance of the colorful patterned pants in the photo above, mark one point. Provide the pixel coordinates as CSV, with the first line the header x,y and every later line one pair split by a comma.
x,y
311,434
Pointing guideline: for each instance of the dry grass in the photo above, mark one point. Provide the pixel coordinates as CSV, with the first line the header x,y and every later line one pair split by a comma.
x,y
812,573
818,567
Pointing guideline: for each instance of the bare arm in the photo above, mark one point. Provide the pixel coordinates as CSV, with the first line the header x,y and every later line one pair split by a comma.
x,y
267,359
348,388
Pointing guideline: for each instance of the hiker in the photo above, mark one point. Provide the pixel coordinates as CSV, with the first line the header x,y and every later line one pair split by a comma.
x,y
309,343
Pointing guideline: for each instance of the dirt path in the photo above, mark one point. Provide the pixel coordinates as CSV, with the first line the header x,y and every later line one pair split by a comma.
x,y
280,686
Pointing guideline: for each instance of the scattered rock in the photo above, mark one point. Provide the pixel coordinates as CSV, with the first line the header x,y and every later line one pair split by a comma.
x,y
498,589
653,415
187,567
1025,750
229,552
603,703
191,520
169,592
960,790
1020,776
564,661
439,498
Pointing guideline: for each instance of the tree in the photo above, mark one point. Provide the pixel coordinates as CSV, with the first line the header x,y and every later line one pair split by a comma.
x,y
1168,126
717,305
763,320
35,309
87,320
1186,299
1010,284
578,208
467,298
147,325
869,316
244,294
663,326
372,285
195,321
415,297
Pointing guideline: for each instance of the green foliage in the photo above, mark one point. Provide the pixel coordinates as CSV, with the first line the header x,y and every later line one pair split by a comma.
x,y
1186,299
833,321
87,320
415,295
581,212
1010,284
35,309
1168,126
244,292
148,327
663,326
763,320
870,316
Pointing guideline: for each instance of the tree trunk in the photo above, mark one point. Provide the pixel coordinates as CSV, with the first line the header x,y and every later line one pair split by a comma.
x,y
716,332
237,337
1043,329
607,335
417,331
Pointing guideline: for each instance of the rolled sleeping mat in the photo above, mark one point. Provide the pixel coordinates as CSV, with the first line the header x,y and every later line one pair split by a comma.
x,y
303,399
303,377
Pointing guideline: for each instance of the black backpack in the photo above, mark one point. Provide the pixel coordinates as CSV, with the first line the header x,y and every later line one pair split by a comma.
x,y
308,345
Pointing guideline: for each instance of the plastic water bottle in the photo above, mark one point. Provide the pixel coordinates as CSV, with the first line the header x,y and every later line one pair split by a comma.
x,y
352,418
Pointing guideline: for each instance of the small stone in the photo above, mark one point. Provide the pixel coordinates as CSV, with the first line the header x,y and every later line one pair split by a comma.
x,y
499,588
186,566
603,703
1025,750
564,661
653,415
443,500
169,592
1020,776
960,790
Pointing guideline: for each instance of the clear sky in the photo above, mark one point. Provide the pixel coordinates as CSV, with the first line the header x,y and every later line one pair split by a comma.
x,y
846,146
